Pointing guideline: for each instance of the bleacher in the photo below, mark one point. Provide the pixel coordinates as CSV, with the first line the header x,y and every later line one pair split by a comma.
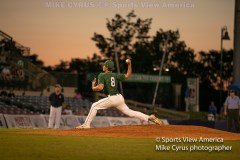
x,y
40,105
12,109
12,72
42,102
17,70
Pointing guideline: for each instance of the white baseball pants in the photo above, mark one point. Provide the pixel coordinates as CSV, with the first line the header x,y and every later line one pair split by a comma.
x,y
55,117
113,101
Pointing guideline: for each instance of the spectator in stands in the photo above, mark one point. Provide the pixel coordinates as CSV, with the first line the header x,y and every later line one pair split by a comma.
x,y
6,74
67,110
86,102
3,93
14,73
212,109
3,58
20,74
78,95
43,110
11,94
83,111
56,100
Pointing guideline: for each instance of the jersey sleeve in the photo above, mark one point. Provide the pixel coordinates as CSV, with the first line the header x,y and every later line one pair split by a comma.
x,y
121,77
100,79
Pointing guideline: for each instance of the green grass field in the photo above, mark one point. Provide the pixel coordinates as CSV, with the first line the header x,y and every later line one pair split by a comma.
x,y
16,146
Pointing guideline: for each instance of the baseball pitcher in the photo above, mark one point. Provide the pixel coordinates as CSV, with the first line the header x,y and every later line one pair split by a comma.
x,y
108,82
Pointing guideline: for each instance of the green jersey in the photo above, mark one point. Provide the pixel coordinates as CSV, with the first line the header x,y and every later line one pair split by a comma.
x,y
110,82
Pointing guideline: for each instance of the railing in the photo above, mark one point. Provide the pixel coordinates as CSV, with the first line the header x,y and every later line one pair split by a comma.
x,y
5,35
25,50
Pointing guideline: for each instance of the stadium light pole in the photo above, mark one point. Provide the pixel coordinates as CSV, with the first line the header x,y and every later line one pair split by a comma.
x,y
117,61
159,76
224,36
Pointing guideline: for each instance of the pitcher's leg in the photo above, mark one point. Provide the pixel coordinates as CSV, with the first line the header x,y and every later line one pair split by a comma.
x,y
131,113
102,104
58,117
92,113
51,117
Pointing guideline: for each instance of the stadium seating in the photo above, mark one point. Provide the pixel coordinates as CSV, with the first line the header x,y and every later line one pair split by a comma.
x,y
40,105
17,70
11,109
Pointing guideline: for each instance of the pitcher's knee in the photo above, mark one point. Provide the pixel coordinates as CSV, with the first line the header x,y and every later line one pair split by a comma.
x,y
94,106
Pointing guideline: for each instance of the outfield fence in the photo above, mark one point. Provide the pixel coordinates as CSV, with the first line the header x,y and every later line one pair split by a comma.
x,y
67,121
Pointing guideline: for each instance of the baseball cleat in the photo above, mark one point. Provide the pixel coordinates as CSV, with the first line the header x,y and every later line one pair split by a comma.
x,y
155,120
83,126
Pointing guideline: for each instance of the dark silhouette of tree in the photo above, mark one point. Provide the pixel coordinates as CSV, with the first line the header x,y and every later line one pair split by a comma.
x,y
82,65
125,33
211,67
35,60
63,66
86,65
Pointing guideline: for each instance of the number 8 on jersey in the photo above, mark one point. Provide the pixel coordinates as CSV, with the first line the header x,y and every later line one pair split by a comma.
x,y
113,82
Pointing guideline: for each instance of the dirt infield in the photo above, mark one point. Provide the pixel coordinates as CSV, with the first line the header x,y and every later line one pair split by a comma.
x,y
144,131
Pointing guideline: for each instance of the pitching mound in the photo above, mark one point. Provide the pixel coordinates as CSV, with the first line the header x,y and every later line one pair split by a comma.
x,y
144,131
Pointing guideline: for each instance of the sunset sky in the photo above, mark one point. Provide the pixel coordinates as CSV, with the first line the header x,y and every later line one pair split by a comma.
x,y
61,32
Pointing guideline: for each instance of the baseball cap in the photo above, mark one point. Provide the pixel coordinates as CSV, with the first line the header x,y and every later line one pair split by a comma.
x,y
109,64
